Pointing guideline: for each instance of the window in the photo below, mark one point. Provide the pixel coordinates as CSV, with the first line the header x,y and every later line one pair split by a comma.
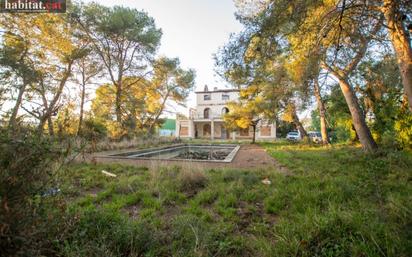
x,y
225,110
206,97
206,113
225,97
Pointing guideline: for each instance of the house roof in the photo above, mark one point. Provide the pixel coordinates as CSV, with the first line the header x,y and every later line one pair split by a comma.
x,y
217,91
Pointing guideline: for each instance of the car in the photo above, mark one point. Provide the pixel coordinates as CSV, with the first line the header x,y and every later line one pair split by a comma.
x,y
293,135
315,136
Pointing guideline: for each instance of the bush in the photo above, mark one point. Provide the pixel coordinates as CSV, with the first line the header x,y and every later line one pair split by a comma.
x,y
93,130
108,233
403,128
191,181
27,165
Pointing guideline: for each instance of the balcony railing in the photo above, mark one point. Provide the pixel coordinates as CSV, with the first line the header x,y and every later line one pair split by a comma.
x,y
201,116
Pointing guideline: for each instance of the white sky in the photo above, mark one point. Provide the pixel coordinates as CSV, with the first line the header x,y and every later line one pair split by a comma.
x,y
193,30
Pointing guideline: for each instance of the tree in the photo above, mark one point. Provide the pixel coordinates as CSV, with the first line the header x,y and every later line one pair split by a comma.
x,y
260,69
171,83
56,86
339,116
317,30
18,69
140,104
17,60
243,115
395,14
381,91
125,39
67,120
322,111
306,71
49,43
290,115
86,69
398,21
340,52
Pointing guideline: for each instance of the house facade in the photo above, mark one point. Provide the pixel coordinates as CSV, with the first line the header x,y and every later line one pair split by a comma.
x,y
206,120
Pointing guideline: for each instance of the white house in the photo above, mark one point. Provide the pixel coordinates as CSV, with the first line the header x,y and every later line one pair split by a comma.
x,y
206,120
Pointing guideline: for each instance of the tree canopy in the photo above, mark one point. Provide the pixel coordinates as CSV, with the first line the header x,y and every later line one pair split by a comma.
x,y
316,43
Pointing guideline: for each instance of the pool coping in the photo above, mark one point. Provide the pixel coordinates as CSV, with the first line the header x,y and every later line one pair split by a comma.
x,y
229,158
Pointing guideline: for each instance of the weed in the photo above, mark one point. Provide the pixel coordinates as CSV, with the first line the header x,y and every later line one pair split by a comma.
x,y
191,182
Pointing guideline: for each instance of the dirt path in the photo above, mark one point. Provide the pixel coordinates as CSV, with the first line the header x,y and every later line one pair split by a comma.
x,y
248,157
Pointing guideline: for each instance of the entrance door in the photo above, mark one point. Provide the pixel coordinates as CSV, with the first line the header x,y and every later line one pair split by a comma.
x,y
224,133
206,130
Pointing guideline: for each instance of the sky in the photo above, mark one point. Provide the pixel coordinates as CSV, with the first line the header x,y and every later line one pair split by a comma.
x,y
193,30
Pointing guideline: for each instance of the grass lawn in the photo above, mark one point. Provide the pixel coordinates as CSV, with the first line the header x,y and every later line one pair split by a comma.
x,y
337,202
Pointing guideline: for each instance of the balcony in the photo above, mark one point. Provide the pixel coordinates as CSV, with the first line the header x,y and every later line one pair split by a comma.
x,y
202,116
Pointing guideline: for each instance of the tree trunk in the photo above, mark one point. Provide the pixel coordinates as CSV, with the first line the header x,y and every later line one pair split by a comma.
x,y
358,119
13,117
41,126
300,127
50,126
51,107
118,103
254,134
119,92
162,107
401,43
322,112
82,97
297,123
356,138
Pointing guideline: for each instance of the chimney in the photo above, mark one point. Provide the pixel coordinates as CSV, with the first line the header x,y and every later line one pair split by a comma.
x,y
206,88
215,89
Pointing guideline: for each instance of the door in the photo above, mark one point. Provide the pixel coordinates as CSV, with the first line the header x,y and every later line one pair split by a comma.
x,y
224,133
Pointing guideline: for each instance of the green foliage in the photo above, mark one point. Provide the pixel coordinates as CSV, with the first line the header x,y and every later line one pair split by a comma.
x,y
125,39
382,96
27,217
171,81
139,102
67,121
15,60
336,202
315,120
403,128
134,26
338,117
339,202
93,130
142,101
191,181
109,233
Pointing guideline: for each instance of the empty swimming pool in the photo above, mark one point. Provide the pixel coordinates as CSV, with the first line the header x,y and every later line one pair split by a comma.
x,y
185,152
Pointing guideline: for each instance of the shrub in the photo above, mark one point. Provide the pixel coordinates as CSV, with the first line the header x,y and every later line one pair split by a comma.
x,y
191,181
93,130
403,128
27,165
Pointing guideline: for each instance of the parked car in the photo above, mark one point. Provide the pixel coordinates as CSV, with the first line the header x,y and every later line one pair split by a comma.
x,y
293,135
315,136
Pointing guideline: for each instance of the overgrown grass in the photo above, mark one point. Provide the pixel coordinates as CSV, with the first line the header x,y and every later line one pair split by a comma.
x,y
135,143
337,202
342,202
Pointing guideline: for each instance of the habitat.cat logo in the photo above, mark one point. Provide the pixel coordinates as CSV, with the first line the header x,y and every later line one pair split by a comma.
x,y
33,6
